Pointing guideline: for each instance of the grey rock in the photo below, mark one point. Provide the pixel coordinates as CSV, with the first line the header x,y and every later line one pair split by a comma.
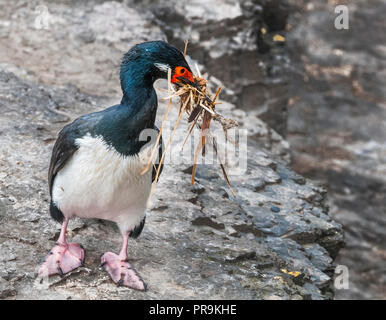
x,y
199,241
225,37
6,290
336,128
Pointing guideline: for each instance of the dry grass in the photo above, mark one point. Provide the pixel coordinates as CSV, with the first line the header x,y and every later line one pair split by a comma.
x,y
196,102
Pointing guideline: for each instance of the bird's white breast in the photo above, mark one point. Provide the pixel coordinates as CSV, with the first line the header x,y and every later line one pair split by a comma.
x,y
98,182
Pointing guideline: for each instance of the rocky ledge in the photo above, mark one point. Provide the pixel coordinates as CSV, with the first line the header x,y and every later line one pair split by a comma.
x,y
274,240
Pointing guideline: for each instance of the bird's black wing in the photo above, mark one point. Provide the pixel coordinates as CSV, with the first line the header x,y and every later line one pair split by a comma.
x,y
63,150
161,147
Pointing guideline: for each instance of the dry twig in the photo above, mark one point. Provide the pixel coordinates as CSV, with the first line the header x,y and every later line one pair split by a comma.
x,y
196,101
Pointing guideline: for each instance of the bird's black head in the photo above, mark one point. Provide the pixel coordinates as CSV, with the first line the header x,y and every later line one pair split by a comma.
x,y
149,61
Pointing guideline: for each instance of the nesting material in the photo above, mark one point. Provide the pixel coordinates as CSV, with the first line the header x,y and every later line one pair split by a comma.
x,y
196,102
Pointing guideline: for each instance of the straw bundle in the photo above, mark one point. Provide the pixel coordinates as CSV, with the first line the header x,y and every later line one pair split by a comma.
x,y
196,101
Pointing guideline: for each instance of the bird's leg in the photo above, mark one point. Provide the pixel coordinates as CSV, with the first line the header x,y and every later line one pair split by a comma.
x,y
63,257
120,270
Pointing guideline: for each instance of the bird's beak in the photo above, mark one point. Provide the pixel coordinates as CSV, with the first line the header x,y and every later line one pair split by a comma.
x,y
187,77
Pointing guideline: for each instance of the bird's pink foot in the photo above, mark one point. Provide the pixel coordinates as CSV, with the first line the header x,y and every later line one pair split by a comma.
x,y
62,259
121,271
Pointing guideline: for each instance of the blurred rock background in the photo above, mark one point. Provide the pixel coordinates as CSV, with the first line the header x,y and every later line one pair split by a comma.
x,y
283,62
337,127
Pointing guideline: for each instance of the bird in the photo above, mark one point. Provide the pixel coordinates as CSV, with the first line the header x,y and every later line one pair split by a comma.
x,y
97,162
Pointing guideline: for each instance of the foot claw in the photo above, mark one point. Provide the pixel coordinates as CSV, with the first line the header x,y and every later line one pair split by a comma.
x,y
60,272
121,272
61,260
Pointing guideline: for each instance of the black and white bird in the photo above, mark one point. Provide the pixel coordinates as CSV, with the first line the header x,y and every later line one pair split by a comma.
x,y
96,163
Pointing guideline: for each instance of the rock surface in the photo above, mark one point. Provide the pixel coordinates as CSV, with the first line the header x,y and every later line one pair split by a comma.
x,y
226,37
337,128
274,240
325,95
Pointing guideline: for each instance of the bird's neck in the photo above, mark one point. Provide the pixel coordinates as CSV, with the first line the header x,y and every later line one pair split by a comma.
x,y
136,91
122,125
139,97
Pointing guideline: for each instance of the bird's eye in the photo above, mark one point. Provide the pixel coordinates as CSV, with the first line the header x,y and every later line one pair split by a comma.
x,y
180,70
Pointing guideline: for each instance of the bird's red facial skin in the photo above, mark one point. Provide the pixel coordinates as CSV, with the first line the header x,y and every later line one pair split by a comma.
x,y
181,73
